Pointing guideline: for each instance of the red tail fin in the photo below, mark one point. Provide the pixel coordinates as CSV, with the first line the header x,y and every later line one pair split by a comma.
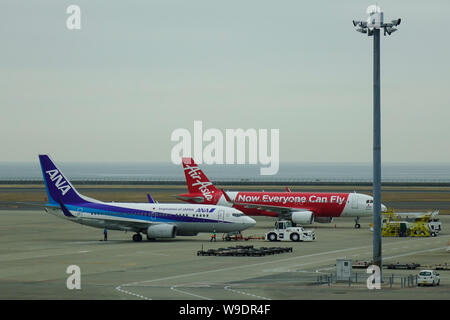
x,y
197,181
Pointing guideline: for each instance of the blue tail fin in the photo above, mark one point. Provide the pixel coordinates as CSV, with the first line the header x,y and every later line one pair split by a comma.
x,y
59,189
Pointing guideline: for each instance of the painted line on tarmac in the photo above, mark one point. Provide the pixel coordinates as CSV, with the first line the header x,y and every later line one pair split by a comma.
x,y
288,269
245,293
43,256
188,293
133,253
320,270
413,252
118,288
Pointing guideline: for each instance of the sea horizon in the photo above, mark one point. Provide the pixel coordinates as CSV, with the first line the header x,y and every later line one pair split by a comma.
x,y
301,171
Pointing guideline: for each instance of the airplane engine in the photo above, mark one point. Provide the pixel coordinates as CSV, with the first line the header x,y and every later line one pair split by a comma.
x,y
162,230
186,233
302,217
323,219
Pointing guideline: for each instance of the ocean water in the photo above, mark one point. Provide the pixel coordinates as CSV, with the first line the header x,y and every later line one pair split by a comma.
x,y
287,172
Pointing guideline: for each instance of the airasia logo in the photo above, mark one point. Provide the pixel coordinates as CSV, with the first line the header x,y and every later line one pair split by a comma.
x,y
202,185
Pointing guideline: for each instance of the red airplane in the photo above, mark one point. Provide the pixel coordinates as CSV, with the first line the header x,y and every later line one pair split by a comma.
x,y
299,207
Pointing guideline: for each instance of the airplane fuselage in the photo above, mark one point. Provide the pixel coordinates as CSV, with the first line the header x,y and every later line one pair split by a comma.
x,y
322,204
188,219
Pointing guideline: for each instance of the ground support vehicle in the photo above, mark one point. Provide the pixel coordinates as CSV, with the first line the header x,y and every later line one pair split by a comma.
x,y
284,231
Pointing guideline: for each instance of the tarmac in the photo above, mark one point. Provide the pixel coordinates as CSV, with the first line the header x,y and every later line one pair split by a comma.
x,y
36,249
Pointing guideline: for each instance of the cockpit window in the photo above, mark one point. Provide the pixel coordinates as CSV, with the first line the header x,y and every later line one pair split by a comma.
x,y
238,214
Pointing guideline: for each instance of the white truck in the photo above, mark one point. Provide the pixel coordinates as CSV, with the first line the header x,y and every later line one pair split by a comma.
x,y
284,231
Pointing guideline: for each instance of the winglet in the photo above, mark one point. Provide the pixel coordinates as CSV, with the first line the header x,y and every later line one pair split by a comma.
x,y
288,190
150,198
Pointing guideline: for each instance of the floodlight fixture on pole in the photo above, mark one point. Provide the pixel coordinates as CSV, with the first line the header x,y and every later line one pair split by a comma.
x,y
372,27
376,21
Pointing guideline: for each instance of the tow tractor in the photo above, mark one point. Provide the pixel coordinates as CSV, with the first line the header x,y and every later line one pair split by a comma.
x,y
284,231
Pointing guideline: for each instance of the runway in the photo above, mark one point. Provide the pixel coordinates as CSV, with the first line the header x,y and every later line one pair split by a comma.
x,y
36,248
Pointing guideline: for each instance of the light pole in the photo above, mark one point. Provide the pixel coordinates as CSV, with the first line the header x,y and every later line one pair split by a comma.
x,y
372,27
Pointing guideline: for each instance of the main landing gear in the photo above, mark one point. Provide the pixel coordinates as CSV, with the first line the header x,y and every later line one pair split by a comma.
x,y
137,237
357,225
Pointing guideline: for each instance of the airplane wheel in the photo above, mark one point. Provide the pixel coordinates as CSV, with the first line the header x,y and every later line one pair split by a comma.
x,y
272,237
357,226
137,237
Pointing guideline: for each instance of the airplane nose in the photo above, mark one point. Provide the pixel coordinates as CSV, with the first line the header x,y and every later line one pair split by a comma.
x,y
383,208
249,222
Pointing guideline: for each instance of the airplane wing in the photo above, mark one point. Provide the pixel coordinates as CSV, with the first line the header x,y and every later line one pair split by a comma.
x,y
136,226
284,212
197,199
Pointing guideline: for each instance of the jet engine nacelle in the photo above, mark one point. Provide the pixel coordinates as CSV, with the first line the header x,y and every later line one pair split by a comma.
x,y
186,233
323,219
162,230
302,217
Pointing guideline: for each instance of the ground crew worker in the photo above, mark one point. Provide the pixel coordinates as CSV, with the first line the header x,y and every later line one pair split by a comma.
x,y
213,236
105,235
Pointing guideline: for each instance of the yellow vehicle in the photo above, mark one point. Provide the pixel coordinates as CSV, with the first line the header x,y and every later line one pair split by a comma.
x,y
410,224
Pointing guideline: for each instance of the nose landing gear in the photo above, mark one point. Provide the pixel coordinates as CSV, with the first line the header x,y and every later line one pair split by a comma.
x,y
357,225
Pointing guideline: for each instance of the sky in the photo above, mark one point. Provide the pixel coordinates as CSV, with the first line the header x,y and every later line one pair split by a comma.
x,y
136,71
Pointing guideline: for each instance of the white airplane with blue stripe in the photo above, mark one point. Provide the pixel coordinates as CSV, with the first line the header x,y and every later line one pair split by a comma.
x,y
156,220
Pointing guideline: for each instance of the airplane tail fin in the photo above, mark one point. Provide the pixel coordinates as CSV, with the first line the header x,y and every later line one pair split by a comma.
x,y
150,199
59,189
197,181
